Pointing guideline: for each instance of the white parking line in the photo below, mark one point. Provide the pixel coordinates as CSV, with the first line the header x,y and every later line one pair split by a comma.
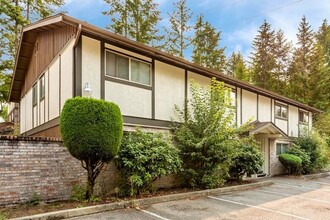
x,y
258,207
299,186
153,214
285,194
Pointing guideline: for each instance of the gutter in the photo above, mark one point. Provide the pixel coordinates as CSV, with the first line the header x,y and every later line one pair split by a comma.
x,y
77,35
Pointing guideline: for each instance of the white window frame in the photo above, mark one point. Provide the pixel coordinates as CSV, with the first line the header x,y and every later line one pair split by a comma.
x,y
130,67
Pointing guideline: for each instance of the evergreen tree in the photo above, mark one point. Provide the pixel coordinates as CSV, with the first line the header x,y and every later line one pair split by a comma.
x,y
300,68
177,40
134,19
282,50
323,38
236,67
263,61
206,50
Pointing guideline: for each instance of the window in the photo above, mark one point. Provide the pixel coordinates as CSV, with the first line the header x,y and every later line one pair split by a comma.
x,y
127,68
42,87
35,94
281,111
281,148
303,117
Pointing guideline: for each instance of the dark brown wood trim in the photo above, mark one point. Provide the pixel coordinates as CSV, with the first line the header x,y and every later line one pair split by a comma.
x,y
257,107
153,92
147,122
102,85
241,107
59,83
78,69
126,82
52,123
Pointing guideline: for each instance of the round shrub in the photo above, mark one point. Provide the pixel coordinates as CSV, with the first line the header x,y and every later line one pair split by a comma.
x,y
91,130
291,162
305,158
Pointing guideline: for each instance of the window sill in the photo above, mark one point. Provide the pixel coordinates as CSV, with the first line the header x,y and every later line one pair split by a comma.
x,y
127,82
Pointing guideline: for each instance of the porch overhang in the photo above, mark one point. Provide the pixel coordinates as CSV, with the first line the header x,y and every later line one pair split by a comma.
x,y
266,130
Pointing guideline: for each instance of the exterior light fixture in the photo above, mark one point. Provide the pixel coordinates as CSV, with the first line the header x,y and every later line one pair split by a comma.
x,y
87,92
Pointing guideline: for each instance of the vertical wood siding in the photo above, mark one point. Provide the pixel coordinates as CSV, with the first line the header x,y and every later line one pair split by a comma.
x,y
50,44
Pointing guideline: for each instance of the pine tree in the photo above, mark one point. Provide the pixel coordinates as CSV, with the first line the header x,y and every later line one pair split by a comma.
x,y
300,69
206,50
282,50
177,40
134,19
323,38
236,67
263,61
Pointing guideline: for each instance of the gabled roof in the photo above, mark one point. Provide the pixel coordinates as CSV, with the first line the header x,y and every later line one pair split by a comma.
x,y
266,127
28,37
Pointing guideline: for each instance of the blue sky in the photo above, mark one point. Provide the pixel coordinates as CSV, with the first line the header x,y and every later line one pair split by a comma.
x,y
238,20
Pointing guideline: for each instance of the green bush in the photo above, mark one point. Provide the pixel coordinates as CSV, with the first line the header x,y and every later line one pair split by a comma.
x,y
248,159
206,135
143,158
305,158
291,162
91,130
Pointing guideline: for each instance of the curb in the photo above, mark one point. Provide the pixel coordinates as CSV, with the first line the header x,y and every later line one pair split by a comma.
x,y
317,175
70,213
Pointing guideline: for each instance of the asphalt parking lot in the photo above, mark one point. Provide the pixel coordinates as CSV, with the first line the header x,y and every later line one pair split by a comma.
x,y
287,198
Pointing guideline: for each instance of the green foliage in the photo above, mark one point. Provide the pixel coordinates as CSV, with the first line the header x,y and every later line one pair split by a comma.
x,y
3,216
306,164
206,50
35,200
177,40
206,135
78,193
291,162
236,67
135,19
247,159
91,130
145,157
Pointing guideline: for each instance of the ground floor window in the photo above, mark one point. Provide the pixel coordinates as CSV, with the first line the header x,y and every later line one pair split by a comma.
x,y
281,148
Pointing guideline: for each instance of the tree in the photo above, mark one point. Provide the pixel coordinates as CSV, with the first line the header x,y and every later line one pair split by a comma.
x,y
263,60
206,135
134,19
177,40
92,131
323,38
235,67
206,51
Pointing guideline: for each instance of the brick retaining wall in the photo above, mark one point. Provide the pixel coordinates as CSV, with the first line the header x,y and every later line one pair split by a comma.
x,y
31,166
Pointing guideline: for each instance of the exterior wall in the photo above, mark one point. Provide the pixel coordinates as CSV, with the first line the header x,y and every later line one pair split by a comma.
x,y
13,112
282,124
133,101
264,109
91,65
293,121
169,90
54,90
249,106
66,69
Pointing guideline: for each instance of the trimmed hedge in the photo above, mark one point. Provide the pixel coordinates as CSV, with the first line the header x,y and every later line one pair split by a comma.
x,y
92,131
291,162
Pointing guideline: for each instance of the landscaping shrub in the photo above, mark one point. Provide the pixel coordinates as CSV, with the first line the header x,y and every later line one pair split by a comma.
x,y
206,135
145,157
291,162
316,147
91,130
248,159
305,158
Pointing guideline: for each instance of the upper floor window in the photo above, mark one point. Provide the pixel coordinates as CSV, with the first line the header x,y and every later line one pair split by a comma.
x,y
35,94
303,117
281,111
42,87
128,68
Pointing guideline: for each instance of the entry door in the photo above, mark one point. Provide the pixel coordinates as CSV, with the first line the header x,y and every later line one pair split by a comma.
x,y
264,148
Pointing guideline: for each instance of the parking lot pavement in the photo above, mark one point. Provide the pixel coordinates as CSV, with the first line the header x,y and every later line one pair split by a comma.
x,y
287,198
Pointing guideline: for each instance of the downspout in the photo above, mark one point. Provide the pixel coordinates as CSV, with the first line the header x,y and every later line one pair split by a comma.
x,y
77,36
